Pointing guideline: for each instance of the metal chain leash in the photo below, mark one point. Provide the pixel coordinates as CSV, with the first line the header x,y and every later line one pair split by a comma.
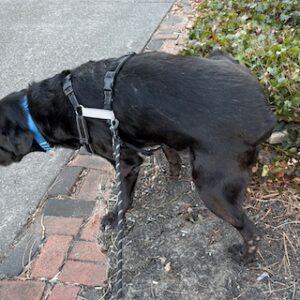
x,y
116,143
109,80
105,114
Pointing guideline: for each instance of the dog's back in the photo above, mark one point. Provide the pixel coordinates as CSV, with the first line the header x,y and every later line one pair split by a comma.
x,y
198,97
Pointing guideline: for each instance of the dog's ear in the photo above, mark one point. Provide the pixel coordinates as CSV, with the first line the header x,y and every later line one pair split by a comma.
x,y
16,141
14,145
19,142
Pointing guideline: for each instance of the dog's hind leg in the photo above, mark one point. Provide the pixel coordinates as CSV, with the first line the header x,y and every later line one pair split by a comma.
x,y
174,161
130,167
221,183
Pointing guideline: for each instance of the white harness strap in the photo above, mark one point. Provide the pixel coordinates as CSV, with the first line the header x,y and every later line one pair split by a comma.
x,y
98,113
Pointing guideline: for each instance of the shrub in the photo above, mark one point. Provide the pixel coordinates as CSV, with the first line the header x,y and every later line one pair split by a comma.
x,y
265,36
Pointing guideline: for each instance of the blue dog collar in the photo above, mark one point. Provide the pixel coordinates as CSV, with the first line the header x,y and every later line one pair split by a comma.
x,y
32,127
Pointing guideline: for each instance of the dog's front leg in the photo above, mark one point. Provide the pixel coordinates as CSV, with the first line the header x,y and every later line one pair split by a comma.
x,y
130,167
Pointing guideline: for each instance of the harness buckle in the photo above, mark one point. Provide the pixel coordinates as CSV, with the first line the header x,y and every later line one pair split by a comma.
x,y
78,110
67,85
107,94
109,80
68,90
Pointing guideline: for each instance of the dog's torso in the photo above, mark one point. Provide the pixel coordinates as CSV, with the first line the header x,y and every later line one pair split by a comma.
x,y
173,100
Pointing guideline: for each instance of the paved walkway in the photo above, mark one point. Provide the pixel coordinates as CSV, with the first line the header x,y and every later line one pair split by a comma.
x,y
62,257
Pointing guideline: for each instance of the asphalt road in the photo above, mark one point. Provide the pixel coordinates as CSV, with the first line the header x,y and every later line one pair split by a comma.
x,y
41,38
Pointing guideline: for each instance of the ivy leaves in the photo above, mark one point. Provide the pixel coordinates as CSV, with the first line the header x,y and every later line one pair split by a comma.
x,y
263,35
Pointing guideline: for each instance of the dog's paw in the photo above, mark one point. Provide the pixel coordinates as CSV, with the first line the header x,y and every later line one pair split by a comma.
x,y
174,170
240,254
109,220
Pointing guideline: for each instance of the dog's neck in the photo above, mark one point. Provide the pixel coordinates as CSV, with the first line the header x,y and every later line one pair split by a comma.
x,y
53,113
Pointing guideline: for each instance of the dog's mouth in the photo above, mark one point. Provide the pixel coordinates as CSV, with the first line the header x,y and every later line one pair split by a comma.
x,y
17,158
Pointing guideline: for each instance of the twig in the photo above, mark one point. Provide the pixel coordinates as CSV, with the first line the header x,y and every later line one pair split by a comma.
x,y
29,257
268,196
294,291
291,244
279,200
43,227
266,269
283,224
266,214
24,253
279,290
285,259
289,154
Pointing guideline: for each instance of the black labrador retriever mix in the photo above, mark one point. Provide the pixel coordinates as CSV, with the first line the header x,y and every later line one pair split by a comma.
x,y
213,107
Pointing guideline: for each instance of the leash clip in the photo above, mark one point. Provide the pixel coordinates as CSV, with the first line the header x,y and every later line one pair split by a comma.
x,y
114,124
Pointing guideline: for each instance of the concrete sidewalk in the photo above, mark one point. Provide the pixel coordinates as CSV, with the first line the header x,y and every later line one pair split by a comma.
x,y
64,258
39,39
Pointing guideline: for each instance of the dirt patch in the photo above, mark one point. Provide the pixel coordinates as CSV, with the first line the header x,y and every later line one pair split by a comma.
x,y
175,248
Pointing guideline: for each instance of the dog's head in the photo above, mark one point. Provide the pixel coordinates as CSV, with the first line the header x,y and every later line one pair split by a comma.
x,y
15,139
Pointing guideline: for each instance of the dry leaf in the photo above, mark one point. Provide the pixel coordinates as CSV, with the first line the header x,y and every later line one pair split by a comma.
x,y
168,267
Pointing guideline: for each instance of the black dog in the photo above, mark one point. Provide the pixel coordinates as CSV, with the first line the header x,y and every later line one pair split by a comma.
x,y
213,107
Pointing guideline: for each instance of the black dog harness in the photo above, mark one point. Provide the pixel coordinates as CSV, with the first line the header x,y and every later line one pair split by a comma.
x,y
104,114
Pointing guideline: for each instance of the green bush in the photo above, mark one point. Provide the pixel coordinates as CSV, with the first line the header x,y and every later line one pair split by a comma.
x,y
265,36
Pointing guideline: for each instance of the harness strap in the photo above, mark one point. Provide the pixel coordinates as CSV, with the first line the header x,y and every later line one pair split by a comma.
x,y
109,81
98,113
82,129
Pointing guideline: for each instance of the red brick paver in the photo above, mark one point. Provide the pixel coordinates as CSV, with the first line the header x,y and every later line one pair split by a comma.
x,y
62,226
84,273
52,256
89,162
21,290
88,251
89,190
64,292
92,229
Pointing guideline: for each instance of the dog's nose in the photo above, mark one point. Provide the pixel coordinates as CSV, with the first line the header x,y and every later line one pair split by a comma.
x,y
15,158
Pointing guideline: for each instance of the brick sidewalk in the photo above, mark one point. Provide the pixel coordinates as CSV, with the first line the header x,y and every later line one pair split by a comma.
x,y
67,262
70,262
